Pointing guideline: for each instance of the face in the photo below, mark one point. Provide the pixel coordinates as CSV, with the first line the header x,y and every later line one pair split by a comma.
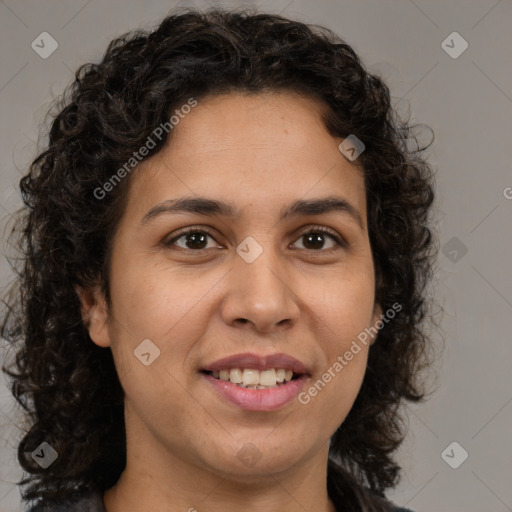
x,y
274,283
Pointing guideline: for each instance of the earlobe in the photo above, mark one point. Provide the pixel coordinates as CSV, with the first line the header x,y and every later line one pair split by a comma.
x,y
95,314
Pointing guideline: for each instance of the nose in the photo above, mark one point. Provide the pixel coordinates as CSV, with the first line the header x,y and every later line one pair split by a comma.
x,y
260,295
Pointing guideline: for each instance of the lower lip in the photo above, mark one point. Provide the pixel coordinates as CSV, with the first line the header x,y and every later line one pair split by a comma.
x,y
257,399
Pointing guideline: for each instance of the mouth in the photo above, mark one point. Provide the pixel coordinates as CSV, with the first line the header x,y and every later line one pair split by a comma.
x,y
252,370
251,378
258,383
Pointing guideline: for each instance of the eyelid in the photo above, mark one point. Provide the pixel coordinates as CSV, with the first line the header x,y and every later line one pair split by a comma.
x,y
186,231
340,240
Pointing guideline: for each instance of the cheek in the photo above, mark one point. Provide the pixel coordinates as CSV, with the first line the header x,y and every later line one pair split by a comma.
x,y
331,394
343,307
168,307
153,300
342,313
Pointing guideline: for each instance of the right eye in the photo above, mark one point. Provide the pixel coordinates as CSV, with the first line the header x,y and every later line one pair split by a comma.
x,y
192,239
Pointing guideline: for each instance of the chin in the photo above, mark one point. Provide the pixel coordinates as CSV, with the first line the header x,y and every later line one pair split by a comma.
x,y
255,460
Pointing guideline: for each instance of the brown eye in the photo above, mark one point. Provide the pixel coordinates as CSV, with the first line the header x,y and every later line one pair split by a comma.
x,y
315,240
193,239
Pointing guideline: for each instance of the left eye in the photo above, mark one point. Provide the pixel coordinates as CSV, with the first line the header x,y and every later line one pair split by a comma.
x,y
316,237
197,240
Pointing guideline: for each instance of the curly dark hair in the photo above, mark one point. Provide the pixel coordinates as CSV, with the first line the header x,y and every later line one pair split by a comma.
x,y
67,385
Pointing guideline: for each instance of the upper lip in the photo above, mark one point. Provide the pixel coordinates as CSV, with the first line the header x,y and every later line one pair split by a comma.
x,y
256,362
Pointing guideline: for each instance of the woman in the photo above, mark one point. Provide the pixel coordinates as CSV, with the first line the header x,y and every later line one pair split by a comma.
x,y
222,301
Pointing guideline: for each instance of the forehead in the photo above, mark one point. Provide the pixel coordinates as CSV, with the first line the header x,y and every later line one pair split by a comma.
x,y
253,149
227,115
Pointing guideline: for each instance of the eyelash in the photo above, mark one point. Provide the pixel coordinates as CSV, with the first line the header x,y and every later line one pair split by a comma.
x,y
313,229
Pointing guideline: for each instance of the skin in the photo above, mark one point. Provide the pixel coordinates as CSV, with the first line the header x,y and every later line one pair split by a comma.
x,y
259,152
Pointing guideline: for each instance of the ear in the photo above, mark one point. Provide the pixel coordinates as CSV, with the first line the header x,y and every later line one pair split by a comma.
x,y
95,314
377,315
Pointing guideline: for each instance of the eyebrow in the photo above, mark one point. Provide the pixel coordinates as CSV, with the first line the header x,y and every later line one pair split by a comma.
x,y
211,207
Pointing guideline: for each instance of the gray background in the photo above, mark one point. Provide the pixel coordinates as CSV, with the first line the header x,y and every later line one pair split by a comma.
x,y
467,101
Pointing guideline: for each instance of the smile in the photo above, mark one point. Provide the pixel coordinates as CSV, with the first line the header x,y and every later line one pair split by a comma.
x,y
254,379
257,397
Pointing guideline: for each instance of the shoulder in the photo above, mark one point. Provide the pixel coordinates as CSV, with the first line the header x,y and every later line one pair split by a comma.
x,y
400,509
92,502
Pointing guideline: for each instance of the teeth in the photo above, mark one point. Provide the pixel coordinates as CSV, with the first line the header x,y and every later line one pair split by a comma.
x,y
268,377
235,375
254,379
251,377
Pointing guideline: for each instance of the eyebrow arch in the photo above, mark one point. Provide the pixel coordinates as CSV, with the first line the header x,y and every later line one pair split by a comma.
x,y
206,206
